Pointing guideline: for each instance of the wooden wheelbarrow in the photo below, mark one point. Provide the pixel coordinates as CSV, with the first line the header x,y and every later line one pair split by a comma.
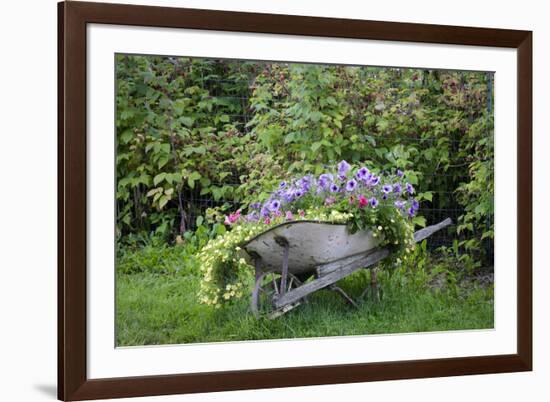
x,y
287,255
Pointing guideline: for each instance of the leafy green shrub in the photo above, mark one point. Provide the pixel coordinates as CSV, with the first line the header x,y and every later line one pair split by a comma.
x,y
225,130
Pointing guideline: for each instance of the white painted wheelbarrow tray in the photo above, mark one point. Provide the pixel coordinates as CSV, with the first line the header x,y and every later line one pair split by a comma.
x,y
286,255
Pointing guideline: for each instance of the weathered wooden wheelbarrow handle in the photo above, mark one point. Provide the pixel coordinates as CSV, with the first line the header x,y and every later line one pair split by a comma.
x,y
334,271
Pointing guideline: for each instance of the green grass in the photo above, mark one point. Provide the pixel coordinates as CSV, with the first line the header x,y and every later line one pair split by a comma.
x,y
162,308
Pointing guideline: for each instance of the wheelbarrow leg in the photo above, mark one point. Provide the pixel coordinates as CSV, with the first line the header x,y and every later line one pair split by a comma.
x,y
373,289
257,268
281,241
341,292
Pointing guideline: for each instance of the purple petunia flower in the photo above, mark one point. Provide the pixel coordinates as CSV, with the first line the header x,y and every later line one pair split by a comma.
x,y
274,205
351,185
373,202
325,180
367,178
409,188
343,168
399,204
304,183
374,180
307,179
415,205
255,205
399,173
298,193
362,173
264,212
288,196
334,188
252,217
282,184
386,189
397,189
411,212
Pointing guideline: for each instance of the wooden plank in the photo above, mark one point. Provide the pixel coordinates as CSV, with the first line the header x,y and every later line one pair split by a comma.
x,y
345,270
325,269
428,231
283,310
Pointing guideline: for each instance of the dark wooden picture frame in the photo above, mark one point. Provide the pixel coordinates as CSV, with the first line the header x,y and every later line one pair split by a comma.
x,y
73,383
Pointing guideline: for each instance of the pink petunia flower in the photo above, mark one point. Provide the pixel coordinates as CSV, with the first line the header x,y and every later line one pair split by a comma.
x,y
232,218
363,201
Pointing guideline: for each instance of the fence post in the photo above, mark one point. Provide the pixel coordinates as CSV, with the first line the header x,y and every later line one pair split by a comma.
x,y
490,110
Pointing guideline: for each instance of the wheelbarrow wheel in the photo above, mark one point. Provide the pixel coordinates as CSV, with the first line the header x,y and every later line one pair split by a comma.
x,y
266,290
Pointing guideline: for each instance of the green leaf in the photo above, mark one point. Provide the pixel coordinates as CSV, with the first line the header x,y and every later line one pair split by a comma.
x,y
192,178
159,178
419,221
178,106
187,121
480,209
290,138
315,116
195,175
220,229
126,114
199,220
165,103
163,160
315,146
428,195
382,125
126,136
163,201
154,191
201,150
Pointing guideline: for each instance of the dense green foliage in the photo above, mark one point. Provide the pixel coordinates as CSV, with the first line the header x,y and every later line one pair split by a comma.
x,y
227,131
425,294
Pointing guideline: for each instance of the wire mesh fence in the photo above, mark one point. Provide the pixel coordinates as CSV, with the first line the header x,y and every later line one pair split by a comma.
x,y
435,211
233,93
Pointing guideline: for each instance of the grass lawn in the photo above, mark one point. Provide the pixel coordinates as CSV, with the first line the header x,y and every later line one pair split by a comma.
x,y
155,309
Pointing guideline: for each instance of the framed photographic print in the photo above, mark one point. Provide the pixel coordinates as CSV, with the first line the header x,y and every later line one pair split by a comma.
x,y
253,200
